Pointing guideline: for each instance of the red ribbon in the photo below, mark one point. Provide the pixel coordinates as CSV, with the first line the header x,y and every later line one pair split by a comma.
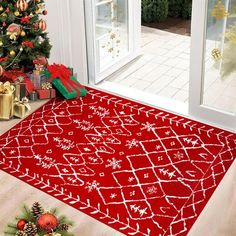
x,y
3,59
63,73
13,74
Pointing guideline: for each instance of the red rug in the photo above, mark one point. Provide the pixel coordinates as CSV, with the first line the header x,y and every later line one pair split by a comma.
x,y
138,169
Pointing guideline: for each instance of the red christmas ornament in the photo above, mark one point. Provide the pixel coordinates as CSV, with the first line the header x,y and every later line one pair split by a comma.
x,y
42,25
45,12
4,24
22,5
40,60
47,221
21,224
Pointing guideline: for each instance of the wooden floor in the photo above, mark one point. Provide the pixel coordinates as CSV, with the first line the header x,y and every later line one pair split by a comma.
x,y
217,219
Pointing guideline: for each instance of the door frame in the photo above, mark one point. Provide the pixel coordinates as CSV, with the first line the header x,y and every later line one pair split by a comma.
x,y
94,76
197,70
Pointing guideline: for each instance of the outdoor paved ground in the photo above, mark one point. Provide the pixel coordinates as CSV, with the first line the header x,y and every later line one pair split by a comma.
x,y
163,69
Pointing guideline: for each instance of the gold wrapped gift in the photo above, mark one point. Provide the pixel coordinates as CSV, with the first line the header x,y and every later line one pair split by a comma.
x,y
6,100
21,108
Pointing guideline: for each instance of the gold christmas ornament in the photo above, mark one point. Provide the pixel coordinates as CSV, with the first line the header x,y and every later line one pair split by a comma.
x,y
219,11
1,43
216,54
22,5
12,53
42,25
22,34
16,13
4,14
1,8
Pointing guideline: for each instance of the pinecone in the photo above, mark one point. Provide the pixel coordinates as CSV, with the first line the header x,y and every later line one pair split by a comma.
x,y
21,233
63,227
30,229
37,210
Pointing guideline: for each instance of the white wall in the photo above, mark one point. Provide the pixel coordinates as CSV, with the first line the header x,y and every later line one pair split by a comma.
x,y
66,29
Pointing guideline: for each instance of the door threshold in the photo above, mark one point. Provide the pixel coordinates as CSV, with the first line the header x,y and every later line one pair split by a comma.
x,y
163,103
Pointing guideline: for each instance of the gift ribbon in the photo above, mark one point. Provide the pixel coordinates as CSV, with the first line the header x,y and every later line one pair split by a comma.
x,y
6,88
63,73
46,85
24,101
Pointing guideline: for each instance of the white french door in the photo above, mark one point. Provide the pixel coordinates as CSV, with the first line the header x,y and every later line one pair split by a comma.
x,y
213,62
113,29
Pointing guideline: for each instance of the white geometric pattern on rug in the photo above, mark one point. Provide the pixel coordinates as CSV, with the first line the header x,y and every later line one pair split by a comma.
x,y
164,161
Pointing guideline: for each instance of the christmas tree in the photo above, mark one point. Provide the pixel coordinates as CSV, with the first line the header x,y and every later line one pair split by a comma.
x,y
23,40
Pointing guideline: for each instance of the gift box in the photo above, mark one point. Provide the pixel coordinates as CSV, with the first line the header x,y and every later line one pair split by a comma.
x,y
46,93
37,78
64,81
21,107
20,91
6,100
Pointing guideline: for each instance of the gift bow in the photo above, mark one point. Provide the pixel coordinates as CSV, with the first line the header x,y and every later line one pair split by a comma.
x,y
6,88
12,35
63,73
46,85
24,101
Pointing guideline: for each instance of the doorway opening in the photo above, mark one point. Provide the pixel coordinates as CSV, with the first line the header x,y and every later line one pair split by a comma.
x,y
156,69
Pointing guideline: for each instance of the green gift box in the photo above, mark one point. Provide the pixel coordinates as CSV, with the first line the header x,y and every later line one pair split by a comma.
x,y
67,94
63,80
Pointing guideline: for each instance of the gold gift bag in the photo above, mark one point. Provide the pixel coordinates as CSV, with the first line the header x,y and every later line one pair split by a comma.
x,y
6,100
21,108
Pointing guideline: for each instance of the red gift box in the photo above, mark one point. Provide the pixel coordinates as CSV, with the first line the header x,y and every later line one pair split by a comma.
x,y
46,93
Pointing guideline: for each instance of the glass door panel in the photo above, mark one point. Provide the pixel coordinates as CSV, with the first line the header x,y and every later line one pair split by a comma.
x,y
212,96
113,32
220,56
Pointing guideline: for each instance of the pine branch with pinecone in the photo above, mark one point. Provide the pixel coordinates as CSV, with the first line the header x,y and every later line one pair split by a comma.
x,y
30,229
37,210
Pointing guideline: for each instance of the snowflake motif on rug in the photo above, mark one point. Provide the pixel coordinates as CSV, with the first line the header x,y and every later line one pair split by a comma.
x,y
90,186
152,190
179,156
148,126
132,143
114,163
